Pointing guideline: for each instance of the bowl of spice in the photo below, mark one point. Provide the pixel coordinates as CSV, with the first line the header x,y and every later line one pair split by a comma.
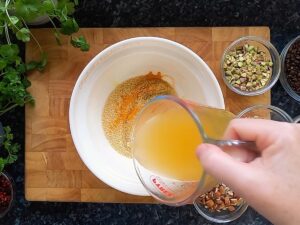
x,y
220,205
250,66
115,86
290,64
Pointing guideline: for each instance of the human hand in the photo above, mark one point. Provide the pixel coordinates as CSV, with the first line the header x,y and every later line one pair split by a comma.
x,y
269,180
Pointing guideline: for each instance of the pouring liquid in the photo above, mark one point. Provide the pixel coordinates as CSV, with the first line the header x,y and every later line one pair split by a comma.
x,y
166,142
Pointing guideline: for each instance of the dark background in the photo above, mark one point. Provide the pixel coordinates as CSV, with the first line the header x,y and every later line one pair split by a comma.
x,y
283,18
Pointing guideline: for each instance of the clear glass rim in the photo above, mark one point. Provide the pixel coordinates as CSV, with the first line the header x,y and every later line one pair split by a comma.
x,y
270,107
229,218
282,78
273,51
198,123
7,176
297,119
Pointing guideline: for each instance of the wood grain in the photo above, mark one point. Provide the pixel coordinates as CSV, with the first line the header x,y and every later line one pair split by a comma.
x,y
53,169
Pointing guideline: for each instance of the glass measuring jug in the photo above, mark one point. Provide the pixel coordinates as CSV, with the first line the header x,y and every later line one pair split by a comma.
x,y
165,137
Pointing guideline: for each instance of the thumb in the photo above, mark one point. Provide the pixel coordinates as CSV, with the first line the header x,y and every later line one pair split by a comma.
x,y
225,168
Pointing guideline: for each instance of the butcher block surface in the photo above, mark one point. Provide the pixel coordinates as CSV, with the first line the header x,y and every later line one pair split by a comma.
x,y
53,169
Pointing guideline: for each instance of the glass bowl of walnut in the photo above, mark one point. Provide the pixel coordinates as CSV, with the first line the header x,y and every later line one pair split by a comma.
x,y
220,205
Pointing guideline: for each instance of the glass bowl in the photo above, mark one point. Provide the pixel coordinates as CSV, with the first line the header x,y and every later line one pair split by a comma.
x,y
223,216
283,79
297,119
12,190
265,112
272,53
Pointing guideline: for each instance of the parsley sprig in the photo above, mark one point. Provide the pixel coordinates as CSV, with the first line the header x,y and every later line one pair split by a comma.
x,y
14,16
8,150
28,10
13,82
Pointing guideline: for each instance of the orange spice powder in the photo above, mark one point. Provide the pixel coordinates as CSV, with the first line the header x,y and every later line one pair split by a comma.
x,y
125,102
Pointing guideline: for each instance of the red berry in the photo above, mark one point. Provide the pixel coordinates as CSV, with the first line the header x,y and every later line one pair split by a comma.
x,y
5,193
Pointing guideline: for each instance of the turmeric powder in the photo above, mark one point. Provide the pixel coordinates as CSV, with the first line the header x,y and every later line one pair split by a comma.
x,y
125,102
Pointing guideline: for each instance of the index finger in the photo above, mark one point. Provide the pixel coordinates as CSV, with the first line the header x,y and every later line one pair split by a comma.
x,y
262,132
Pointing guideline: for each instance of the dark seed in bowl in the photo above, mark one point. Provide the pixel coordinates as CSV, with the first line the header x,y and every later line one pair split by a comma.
x,y
292,66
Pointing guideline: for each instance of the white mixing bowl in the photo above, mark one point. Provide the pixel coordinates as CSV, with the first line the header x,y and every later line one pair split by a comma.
x,y
193,80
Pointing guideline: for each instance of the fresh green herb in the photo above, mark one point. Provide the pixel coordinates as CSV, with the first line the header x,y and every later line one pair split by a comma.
x,y
69,27
13,82
29,10
39,65
23,35
80,42
14,16
8,150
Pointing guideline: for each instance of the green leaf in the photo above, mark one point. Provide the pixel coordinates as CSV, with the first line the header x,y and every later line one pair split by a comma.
x,y
39,65
2,7
80,42
10,148
13,19
12,89
13,83
13,77
64,12
31,65
3,64
69,26
28,9
23,35
9,52
65,5
48,6
3,162
21,68
26,82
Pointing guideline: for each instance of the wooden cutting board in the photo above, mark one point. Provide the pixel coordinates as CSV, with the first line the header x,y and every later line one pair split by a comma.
x,y
53,169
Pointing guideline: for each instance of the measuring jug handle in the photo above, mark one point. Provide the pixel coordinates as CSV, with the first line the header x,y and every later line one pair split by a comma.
x,y
251,145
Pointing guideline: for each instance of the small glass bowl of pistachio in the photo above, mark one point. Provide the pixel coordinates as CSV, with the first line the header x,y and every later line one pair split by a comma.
x,y
250,66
